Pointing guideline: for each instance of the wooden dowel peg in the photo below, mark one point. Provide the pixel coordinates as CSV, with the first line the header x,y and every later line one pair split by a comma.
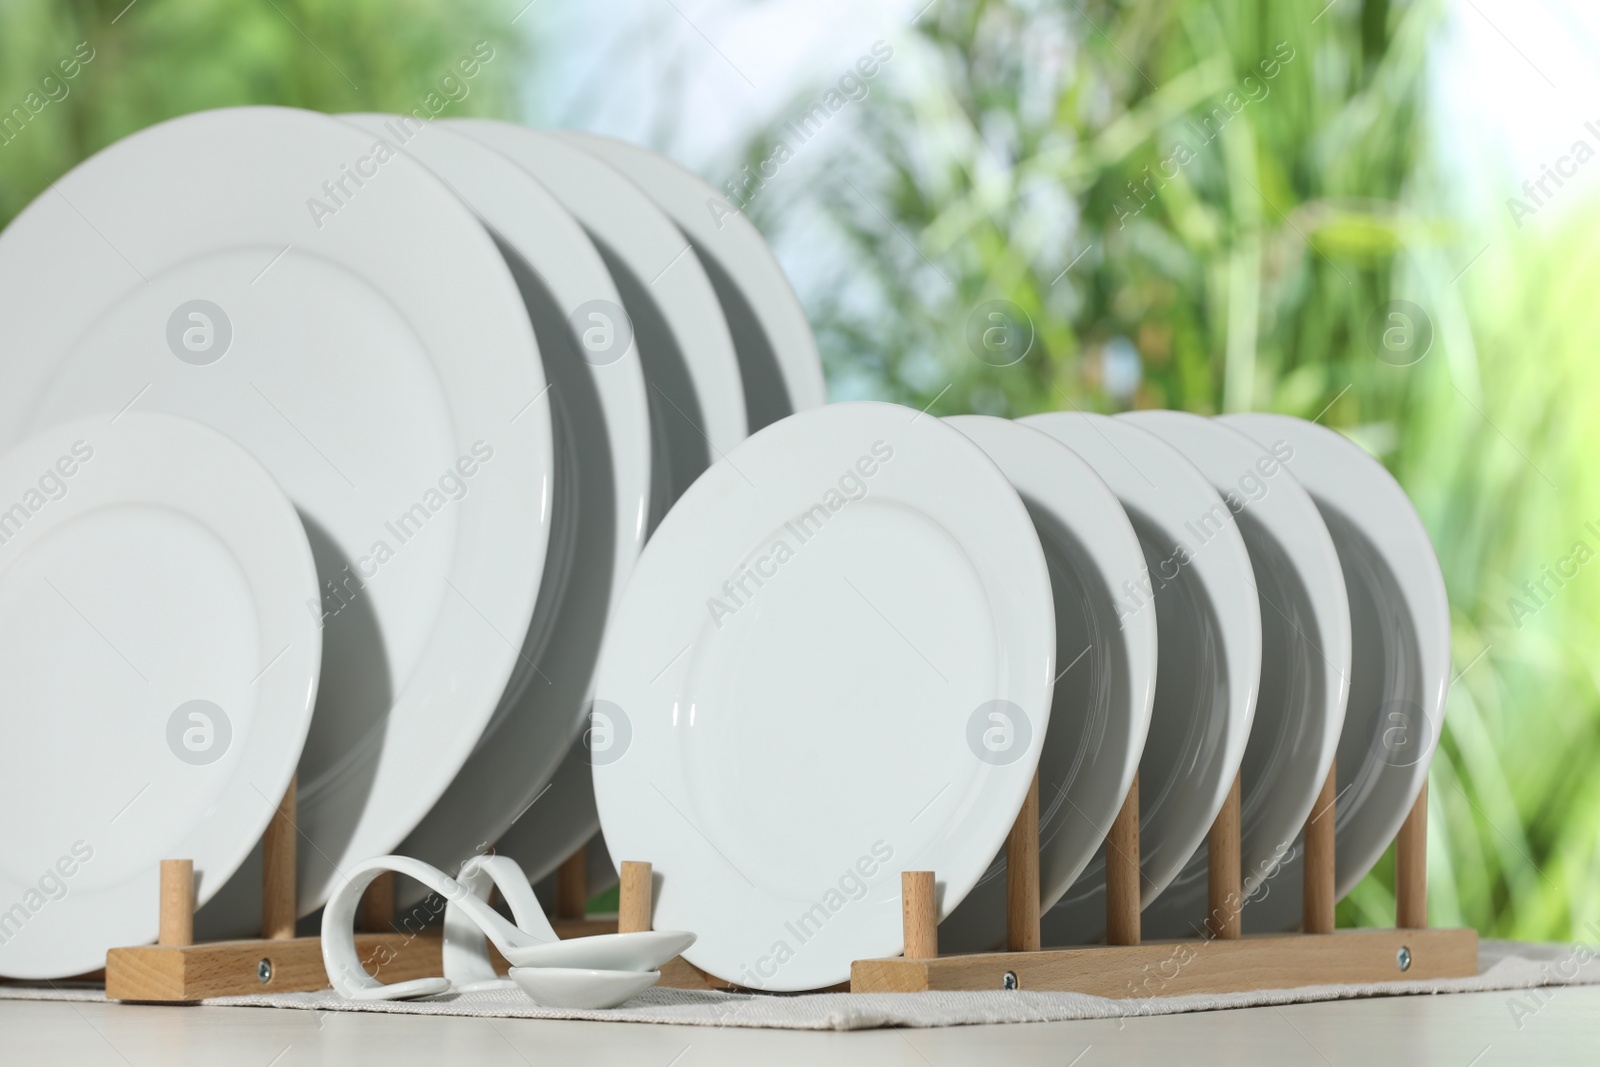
x,y
277,871
177,903
1224,870
572,886
919,908
1122,872
634,897
1411,867
1318,901
377,905
1022,876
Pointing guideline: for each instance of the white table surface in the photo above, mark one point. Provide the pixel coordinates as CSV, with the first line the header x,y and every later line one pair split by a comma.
x,y
1463,1030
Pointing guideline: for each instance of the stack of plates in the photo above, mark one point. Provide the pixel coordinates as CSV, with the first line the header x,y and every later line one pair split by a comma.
x,y
335,444
851,645
366,415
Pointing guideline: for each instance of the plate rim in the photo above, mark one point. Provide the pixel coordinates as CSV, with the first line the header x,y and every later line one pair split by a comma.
x,y
1239,625
1382,510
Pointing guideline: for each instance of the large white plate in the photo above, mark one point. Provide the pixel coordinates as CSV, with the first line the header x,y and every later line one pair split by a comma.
x,y
833,664
697,411
777,352
1106,669
363,338
602,425
1210,651
1305,661
696,390
1400,656
160,668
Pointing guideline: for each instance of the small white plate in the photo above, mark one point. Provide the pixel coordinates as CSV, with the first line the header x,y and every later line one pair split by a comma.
x,y
833,664
581,990
777,352
330,305
1106,671
1305,661
602,431
1210,651
690,367
1400,656
160,669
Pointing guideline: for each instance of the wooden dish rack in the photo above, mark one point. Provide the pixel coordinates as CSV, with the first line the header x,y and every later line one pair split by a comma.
x,y
176,970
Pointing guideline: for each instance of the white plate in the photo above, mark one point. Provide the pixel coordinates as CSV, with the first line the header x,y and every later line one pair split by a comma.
x,y
690,368
694,383
1106,671
1210,651
370,348
160,669
602,426
777,352
584,990
1400,657
1305,660
875,704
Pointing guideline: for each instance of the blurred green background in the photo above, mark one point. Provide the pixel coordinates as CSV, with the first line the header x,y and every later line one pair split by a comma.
x,y
1105,204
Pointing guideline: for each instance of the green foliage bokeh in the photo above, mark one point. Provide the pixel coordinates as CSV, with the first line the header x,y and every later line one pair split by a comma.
x,y
1036,161
156,59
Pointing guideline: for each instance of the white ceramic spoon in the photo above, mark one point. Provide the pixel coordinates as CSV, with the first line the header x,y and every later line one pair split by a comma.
x,y
563,987
345,972
466,949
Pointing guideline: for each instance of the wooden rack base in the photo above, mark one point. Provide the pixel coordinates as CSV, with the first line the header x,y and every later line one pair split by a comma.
x,y
1224,961
1175,968
177,971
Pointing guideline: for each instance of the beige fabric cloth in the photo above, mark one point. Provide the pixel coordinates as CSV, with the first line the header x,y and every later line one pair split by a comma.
x,y
1503,965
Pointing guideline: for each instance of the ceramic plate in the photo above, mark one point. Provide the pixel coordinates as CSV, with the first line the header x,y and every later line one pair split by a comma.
x,y
833,664
1305,660
160,670
694,383
334,308
777,353
1210,651
602,420
1400,656
1106,671
691,371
